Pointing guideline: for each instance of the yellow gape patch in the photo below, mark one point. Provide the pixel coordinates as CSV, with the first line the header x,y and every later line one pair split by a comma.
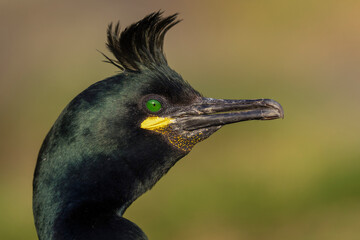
x,y
156,123
161,125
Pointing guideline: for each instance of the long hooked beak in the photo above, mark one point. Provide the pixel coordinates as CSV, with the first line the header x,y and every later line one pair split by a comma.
x,y
211,112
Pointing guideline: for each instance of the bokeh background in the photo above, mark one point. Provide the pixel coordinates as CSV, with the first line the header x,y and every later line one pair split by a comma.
x,y
297,178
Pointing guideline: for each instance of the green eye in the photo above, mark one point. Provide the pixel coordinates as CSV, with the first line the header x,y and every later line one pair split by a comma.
x,y
153,105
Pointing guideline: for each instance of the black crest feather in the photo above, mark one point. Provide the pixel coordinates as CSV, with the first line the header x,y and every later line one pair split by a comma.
x,y
141,44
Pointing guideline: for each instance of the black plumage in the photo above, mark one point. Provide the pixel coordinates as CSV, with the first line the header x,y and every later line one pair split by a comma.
x,y
118,137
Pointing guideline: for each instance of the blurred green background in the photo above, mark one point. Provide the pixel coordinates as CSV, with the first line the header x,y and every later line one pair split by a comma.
x,y
297,178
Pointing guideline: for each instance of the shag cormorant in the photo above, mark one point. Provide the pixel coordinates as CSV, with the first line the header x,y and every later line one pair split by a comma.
x,y
118,137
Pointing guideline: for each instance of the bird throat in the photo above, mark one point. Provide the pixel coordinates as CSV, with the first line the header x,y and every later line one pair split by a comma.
x,y
180,141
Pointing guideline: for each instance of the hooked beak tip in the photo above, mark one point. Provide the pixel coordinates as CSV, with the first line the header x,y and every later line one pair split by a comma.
x,y
274,104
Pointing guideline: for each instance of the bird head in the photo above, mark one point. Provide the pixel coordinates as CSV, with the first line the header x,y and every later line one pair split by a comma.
x,y
169,106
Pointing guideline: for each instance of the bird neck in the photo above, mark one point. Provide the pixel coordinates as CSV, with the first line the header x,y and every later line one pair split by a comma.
x,y
81,201
85,193
95,221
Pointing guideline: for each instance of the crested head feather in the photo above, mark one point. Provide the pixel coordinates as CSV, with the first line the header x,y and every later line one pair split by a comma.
x,y
141,44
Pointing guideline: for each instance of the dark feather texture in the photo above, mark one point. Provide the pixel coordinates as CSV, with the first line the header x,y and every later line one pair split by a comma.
x,y
141,44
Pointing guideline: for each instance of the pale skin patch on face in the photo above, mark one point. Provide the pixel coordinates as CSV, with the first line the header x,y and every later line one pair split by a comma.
x,y
161,125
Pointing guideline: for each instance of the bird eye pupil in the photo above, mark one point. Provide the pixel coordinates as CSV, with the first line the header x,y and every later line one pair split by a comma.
x,y
153,105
